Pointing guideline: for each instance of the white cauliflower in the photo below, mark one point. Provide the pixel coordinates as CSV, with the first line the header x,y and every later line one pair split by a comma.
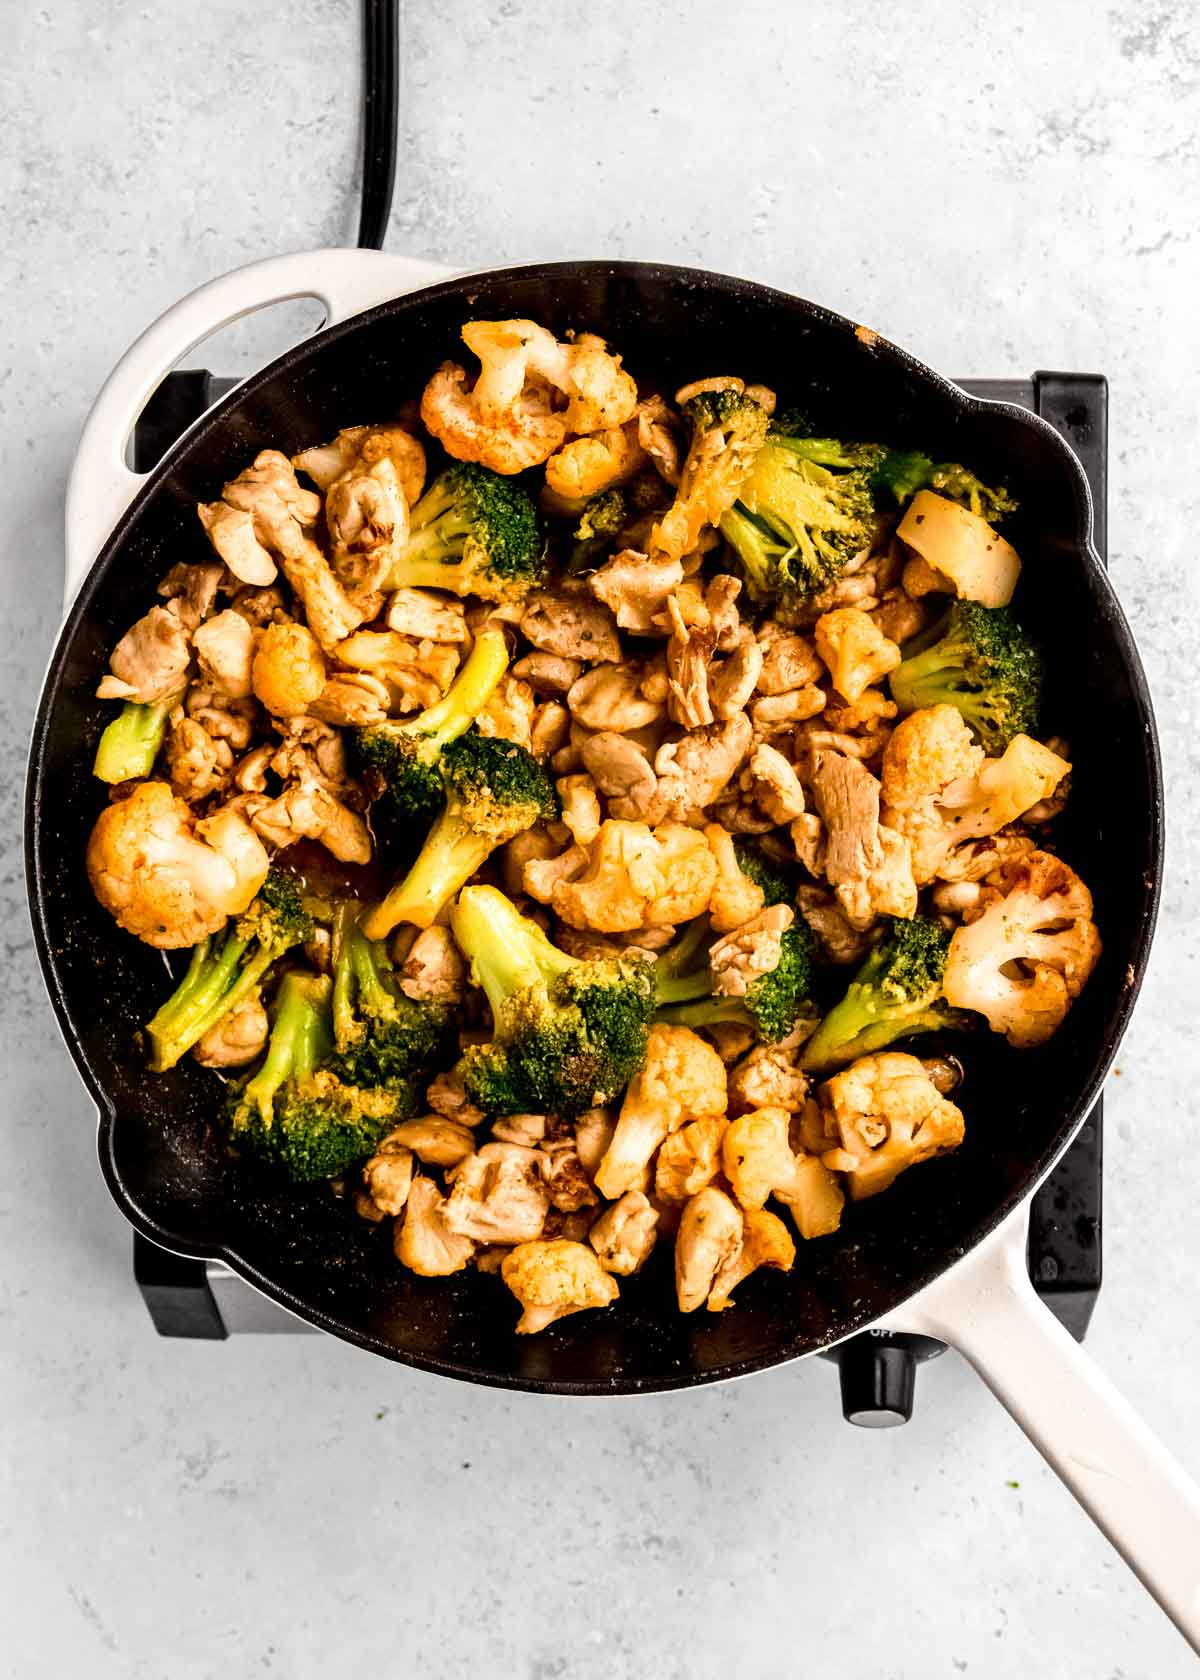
x,y
856,651
554,1278
889,1115
757,1156
765,1242
681,1079
961,546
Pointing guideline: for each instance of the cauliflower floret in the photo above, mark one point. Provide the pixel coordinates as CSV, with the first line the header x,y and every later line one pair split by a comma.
x,y
580,808
927,750
681,1079
689,1159
813,1197
166,878
757,1156
1044,924
709,1235
857,653
591,464
765,1242
498,1195
624,1234
636,878
555,1278
288,670
510,443
150,662
423,1241
768,1078
981,565
237,1038
735,898
889,1115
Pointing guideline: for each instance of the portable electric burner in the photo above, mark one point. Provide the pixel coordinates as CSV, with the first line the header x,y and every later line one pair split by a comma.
x,y
204,1300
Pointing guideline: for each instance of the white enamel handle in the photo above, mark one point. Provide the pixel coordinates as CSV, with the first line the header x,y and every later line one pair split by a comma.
x,y
1143,1500
102,486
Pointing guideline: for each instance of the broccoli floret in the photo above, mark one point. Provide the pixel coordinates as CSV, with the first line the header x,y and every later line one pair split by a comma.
x,y
381,1036
399,761
774,1004
130,743
804,510
901,473
775,878
494,791
222,975
473,532
297,1113
896,993
603,517
980,660
569,1034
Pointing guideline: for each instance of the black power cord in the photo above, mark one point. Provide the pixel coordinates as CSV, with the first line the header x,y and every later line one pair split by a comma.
x,y
381,105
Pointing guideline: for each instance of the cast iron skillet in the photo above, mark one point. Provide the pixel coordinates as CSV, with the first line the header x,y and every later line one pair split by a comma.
x,y
164,1166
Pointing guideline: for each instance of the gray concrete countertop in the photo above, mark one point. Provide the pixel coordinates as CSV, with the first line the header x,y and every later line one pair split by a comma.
x,y
997,186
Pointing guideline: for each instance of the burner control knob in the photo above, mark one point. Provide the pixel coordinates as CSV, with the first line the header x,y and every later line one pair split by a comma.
x,y
878,1371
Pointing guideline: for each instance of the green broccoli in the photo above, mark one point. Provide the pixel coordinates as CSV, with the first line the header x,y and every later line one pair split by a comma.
x,y
774,1004
569,1034
803,511
399,760
775,877
495,790
901,473
130,743
295,1112
381,1036
473,532
601,521
896,993
980,660
221,976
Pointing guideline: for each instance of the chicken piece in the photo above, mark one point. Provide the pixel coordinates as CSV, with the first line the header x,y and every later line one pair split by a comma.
x,y
589,465
743,956
367,518
695,771
232,533
192,591
807,834
572,626
777,788
735,898
689,654
622,772
198,766
509,712
498,1196
593,1133
868,864
366,446
775,712
401,662
1026,959
528,434
979,858
789,663
656,433
237,1038
709,1235
548,673
857,653
534,845
636,588
681,1079
224,648
427,615
150,662
223,718
553,1279
434,1140
689,1159
567,1182
733,681
423,1241
840,942
433,971
720,456
550,730
580,808
308,811
288,669
757,1156
889,1115
610,698
961,546
899,617
166,878
814,1198
624,1234
388,1177
542,877
525,1129
447,1097
767,1078
765,1242
635,877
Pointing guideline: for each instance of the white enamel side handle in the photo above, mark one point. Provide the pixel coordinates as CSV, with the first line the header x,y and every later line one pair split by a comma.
x,y
101,486
1144,1501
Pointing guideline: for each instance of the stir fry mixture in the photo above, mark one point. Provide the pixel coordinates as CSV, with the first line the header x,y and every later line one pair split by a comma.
x,y
570,798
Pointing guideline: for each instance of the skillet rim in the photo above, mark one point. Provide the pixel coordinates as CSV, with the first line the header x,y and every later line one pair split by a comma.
x,y
645,274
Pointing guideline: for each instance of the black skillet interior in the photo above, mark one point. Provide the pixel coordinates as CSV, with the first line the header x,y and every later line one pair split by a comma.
x,y
164,1166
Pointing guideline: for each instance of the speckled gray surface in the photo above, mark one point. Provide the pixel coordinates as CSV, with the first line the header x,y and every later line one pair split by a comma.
x,y
999,187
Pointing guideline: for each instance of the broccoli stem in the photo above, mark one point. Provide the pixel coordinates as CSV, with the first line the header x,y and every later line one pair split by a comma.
x,y
469,693
507,951
299,1040
706,1012
356,975
130,744
204,998
451,854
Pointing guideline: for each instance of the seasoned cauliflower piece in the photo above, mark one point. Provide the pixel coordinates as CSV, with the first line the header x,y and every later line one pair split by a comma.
x,y
636,878
926,751
150,662
757,1156
709,1235
509,442
553,1279
580,807
498,1195
726,437
508,714
681,1079
624,1234
1026,959
237,1038
813,1197
423,1241
857,653
735,898
958,544
765,1242
889,1115
589,465
433,970
768,1078
689,1159
288,670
